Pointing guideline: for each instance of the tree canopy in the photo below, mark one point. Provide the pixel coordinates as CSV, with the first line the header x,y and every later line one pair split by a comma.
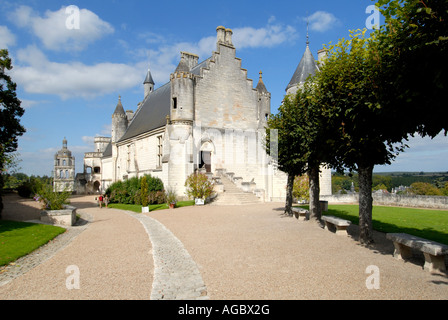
x,y
10,113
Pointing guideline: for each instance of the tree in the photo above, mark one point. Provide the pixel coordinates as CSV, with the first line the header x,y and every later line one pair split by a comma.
x,y
425,189
290,153
10,113
301,142
144,192
413,80
301,189
348,96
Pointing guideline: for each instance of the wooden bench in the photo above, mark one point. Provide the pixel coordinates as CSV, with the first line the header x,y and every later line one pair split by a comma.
x,y
434,252
338,225
299,212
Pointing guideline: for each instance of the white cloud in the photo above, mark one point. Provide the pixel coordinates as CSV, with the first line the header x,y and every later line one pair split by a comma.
x,y
36,74
322,21
269,36
7,38
52,28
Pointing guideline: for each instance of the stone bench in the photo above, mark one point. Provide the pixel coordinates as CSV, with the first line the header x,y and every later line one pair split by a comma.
x,y
338,225
434,252
299,212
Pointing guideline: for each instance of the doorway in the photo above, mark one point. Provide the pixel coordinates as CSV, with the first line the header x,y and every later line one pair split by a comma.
x,y
206,161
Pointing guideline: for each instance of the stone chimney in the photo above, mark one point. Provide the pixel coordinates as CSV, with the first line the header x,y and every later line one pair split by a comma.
x,y
228,38
221,34
321,55
191,59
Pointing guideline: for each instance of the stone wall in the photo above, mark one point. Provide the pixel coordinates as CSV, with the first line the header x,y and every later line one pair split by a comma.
x,y
431,202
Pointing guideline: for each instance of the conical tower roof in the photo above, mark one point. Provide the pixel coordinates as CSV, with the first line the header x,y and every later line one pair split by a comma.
x,y
260,86
148,78
119,108
183,66
306,67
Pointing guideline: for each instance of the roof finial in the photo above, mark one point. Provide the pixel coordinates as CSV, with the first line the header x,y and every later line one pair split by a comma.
x,y
261,75
307,31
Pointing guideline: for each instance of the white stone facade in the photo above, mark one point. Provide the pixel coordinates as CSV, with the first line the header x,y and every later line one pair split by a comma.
x,y
209,117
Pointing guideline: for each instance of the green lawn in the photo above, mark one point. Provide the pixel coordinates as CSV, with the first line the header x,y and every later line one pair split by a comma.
x,y
428,224
153,207
20,238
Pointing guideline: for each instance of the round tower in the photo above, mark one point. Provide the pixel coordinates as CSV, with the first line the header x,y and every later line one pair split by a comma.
x,y
182,91
263,103
119,122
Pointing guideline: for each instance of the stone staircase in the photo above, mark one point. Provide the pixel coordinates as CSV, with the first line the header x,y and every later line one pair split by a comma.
x,y
233,195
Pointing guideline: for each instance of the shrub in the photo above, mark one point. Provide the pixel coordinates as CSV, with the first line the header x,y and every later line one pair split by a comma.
x,y
135,191
53,200
171,196
157,197
24,190
199,186
144,192
301,188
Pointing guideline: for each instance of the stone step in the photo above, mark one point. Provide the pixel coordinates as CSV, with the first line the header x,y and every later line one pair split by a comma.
x,y
233,195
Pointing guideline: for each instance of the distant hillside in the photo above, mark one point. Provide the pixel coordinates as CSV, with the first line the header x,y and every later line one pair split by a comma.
x,y
411,173
391,179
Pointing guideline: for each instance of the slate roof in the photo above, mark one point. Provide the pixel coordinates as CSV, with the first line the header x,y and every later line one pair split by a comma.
x,y
153,111
151,114
306,67
108,151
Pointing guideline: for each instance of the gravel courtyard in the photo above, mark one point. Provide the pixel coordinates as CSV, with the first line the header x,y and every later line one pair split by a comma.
x,y
242,252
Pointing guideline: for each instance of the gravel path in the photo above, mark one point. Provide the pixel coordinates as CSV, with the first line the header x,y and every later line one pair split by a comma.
x,y
112,254
255,252
221,253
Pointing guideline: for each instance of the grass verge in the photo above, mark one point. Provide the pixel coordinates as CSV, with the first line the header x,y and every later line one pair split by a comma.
x,y
153,207
20,238
428,224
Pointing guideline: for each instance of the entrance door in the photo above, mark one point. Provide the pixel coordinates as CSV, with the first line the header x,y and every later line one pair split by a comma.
x,y
206,161
96,186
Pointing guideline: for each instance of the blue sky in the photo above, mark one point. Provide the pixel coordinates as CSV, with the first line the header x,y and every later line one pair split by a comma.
x,y
69,78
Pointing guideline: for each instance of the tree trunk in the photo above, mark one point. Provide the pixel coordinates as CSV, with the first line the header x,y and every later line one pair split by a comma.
x,y
315,209
289,188
1,192
365,204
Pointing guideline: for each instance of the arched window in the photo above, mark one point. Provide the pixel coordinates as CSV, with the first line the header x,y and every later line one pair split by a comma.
x,y
66,174
64,162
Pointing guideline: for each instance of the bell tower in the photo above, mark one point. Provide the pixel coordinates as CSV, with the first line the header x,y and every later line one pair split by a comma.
x,y
64,169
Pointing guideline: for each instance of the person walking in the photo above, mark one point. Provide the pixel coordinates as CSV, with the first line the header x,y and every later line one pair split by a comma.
x,y
100,200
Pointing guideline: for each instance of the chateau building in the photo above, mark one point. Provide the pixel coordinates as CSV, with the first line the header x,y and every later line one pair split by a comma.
x,y
208,117
64,170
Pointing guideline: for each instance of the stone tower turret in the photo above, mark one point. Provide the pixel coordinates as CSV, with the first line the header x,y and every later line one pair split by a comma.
x,y
182,89
307,66
263,103
148,84
119,122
